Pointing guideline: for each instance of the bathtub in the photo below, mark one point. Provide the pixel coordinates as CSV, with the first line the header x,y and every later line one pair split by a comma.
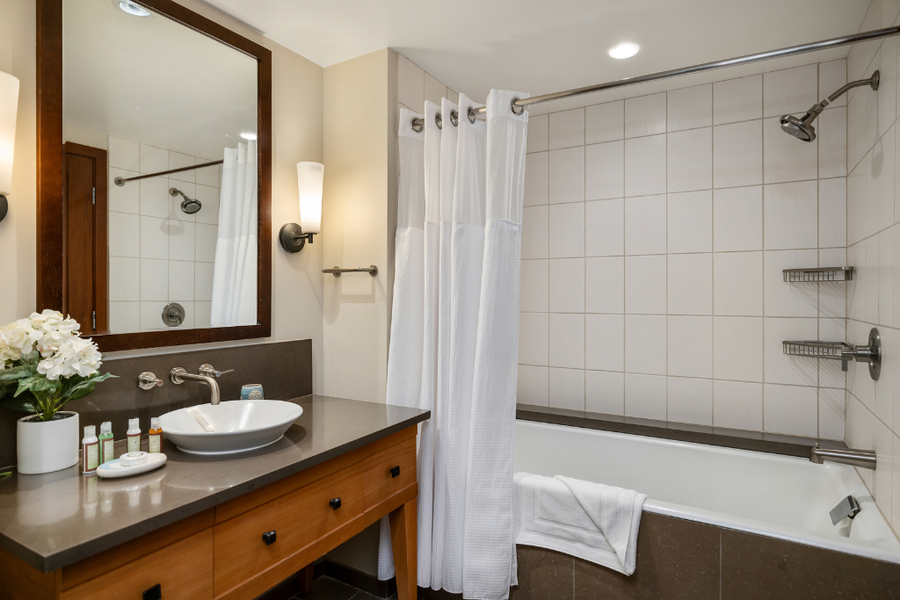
x,y
767,494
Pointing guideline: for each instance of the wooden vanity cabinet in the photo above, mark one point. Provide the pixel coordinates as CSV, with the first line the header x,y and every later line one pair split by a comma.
x,y
246,545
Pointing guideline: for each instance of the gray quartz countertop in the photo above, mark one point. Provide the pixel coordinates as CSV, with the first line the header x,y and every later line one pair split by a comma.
x,y
53,520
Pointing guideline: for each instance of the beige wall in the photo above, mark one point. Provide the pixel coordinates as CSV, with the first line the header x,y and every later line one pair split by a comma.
x,y
297,281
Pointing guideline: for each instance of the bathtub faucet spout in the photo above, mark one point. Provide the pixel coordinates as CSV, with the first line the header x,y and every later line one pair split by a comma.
x,y
857,458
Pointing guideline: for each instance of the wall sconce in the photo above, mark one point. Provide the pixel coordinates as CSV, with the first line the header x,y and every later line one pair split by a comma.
x,y
9,100
310,176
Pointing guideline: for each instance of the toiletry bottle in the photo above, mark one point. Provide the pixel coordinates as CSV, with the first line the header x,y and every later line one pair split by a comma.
x,y
107,443
155,435
90,450
134,435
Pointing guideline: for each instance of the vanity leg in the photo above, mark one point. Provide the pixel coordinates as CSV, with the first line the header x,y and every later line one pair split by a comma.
x,y
403,540
305,578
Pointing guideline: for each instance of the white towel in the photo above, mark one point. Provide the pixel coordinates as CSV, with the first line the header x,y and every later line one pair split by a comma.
x,y
598,523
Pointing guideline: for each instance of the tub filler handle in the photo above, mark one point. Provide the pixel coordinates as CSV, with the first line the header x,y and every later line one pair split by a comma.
x,y
857,458
848,507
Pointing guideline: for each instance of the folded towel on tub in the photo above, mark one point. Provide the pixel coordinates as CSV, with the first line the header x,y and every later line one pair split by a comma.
x,y
596,522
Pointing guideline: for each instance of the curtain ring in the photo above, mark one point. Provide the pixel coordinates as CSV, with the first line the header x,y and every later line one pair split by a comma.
x,y
438,120
454,118
417,125
471,114
517,110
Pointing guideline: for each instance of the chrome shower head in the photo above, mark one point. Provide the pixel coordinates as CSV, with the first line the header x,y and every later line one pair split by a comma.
x,y
801,129
188,205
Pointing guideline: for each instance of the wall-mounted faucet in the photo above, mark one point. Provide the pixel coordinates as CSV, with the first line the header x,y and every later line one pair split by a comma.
x,y
857,458
208,375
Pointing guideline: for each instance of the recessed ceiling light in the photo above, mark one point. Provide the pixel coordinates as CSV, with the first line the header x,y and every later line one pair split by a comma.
x,y
624,50
134,9
249,136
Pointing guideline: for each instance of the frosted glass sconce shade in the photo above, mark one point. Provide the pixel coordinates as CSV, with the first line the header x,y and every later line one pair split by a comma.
x,y
9,100
310,177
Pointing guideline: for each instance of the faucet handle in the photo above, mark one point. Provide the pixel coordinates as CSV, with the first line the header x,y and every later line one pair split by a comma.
x,y
148,380
210,371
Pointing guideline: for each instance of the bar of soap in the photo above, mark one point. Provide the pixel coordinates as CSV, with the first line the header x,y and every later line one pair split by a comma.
x,y
131,459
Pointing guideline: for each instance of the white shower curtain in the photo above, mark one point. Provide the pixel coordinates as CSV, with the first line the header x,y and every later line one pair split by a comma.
x,y
465,304
234,271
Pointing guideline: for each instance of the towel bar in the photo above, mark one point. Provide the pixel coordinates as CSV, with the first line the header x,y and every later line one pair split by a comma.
x,y
336,271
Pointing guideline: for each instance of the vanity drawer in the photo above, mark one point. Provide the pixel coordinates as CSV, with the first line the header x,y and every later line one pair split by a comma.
x,y
389,478
183,570
306,523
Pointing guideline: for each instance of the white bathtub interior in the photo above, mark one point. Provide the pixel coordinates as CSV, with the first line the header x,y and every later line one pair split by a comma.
x,y
769,494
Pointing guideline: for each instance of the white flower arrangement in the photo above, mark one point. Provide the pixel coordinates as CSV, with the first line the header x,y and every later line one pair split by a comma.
x,y
44,363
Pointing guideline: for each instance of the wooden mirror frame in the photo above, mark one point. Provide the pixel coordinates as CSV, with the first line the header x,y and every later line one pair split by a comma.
x,y
50,217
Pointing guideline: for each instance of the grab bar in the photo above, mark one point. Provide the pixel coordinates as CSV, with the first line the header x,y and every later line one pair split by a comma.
x,y
857,458
336,271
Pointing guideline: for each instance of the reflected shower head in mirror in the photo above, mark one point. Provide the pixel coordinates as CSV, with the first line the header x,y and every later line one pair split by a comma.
x,y
802,127
188,205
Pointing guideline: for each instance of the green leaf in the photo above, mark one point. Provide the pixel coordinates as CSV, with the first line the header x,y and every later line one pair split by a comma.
x,y
83,387
18,372
5,475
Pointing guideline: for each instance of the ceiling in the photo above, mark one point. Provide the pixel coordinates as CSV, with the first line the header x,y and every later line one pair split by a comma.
x,y
541,46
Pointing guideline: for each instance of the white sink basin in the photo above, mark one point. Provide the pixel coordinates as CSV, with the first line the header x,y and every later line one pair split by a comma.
x,y
237,426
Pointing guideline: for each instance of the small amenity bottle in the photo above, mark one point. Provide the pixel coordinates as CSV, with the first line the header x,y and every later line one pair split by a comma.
x,y
90,450
107,443
134,435
155,436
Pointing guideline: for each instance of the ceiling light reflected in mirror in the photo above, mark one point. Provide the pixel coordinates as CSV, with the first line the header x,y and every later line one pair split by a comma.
x,y
626,50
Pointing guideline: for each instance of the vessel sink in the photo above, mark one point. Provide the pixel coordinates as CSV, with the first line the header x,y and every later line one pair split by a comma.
x,y
236,426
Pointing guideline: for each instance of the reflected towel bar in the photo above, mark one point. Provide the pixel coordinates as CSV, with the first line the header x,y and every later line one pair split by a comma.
x,y
336,271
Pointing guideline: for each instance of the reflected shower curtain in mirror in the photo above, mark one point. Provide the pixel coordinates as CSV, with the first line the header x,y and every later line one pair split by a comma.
x,y
454,338
234,272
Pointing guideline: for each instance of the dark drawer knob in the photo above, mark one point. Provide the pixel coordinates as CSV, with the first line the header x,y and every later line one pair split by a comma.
x,y
395,471
269,537
335,503
154,593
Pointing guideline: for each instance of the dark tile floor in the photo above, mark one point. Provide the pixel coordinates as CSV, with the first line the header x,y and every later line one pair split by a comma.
x,y
326,588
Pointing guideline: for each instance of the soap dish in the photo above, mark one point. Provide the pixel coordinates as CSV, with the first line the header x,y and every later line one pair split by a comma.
x,y
132,463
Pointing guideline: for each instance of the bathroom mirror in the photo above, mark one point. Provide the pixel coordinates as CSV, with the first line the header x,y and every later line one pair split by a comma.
x,y
154,174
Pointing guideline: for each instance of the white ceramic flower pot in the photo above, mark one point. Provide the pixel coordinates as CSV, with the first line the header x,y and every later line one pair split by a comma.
x,y
47,446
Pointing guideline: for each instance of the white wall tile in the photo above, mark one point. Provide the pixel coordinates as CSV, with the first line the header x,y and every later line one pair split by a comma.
x,y
689,108
738,348
690,400
604,342
209,197
567,129
871,279
533,385
567,285
645,396
534,285
881,168
791,215
832,135
567,388
689,161
410,84
737,154
181,281
605,227
645,344
884,451
537,178
124,154
604,392
689,216
567,175
604,171
567,341
738,216
737,283
645,225
124,235
833,296
154,279
203,283
645,115
535,232
786,158
738,405
856,204
737,100
790,409
534,336
645,285
126,198
830,373
784,299
208,175
604,122
153,159
124,279
182,243
124,317
887,271
566,230
832,212
832,75
886,98
690,284
604,285
781,368
538,133
645,166
178,160
154,194
154,238
690,347
790,90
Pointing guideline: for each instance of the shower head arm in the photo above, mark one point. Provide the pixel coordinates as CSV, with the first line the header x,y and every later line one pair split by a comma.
x,y
872,82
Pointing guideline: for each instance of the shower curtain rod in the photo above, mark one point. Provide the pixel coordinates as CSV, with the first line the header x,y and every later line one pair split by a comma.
x,y
120,181
519,105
